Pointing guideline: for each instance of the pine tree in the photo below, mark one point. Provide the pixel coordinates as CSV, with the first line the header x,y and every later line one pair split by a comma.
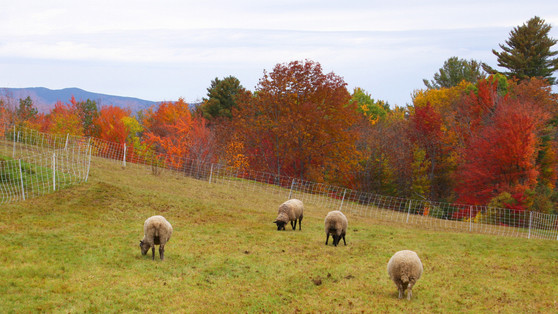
x,y
527,52
222,98
26,110
454,71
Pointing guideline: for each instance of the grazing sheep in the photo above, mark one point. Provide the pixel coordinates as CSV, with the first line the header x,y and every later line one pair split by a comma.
x,y
405,268
291,210
157,231
336,224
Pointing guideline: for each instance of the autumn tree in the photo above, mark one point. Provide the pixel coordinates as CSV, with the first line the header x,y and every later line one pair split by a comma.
x,y
432,127
527,52
502,124
372,109
64,119
298,122
454,71
221,99
501,155
426,132
6,116
110,125
386,162
173,131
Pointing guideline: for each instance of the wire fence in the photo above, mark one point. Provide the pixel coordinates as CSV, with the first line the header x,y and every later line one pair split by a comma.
x,y
34,163
426,214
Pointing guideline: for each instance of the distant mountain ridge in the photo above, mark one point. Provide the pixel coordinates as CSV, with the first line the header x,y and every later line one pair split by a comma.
x,y
44,99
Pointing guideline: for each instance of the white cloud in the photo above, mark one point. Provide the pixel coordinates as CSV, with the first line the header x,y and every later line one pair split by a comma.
x,y
167,49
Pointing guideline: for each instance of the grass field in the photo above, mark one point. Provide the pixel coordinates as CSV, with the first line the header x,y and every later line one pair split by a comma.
x,y
77,250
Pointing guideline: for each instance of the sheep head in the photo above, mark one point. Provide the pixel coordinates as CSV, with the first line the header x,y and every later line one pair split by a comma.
x,y
280,224
144,247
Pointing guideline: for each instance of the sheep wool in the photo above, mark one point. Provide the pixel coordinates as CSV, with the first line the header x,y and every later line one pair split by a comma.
x,y
290,211
405,269
157,231
336,224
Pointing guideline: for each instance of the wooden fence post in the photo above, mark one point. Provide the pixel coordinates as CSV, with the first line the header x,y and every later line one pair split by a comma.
x,y
409,211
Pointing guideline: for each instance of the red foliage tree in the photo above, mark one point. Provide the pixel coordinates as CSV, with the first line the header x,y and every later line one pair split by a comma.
x,y
501,153
426,131
298,123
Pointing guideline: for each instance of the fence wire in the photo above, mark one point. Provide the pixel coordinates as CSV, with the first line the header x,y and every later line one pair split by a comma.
x,y
34,163
426,214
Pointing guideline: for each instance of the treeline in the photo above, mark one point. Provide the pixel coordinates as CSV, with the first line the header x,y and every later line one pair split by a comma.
x,y
473,136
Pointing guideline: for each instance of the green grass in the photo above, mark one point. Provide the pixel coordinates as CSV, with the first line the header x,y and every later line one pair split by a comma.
x,y
77,250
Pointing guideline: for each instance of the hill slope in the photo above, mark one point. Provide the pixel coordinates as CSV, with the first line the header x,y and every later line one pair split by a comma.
x,y
77,250
44,98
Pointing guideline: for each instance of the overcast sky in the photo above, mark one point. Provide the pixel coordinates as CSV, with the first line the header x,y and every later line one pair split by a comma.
x,y
166,49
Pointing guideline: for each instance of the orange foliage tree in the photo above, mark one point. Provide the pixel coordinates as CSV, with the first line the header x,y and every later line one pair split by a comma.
x,y
175,134
109,124
63,119
299,123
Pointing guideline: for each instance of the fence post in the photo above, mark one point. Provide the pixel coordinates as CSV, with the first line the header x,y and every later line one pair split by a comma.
x,y
124,158
292,186
21,178
470,218
210,173
54,172
13,153
530,220
409,211
342,200
88,164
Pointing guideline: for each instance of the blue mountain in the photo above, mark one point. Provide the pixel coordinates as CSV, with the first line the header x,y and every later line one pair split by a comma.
x,y
44,99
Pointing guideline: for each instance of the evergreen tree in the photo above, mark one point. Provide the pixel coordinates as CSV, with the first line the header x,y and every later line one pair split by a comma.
x,y
222,98
87,111
527,52
454,71
26,110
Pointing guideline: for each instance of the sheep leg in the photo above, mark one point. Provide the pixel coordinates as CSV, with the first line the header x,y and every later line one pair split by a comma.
x,y
300,223
153,252
327,237
409,291
344,240
293,224
162,251
400,289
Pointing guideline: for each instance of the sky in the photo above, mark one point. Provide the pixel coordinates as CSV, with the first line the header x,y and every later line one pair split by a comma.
x,y
170,49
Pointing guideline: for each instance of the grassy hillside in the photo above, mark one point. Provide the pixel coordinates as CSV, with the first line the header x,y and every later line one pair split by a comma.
x,y
77,250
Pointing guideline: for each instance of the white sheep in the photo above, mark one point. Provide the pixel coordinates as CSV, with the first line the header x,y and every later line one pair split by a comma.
x,y
405,269
336,224
290,211
157,231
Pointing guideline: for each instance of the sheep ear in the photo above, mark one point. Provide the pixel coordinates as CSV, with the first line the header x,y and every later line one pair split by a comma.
x,y
275,222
